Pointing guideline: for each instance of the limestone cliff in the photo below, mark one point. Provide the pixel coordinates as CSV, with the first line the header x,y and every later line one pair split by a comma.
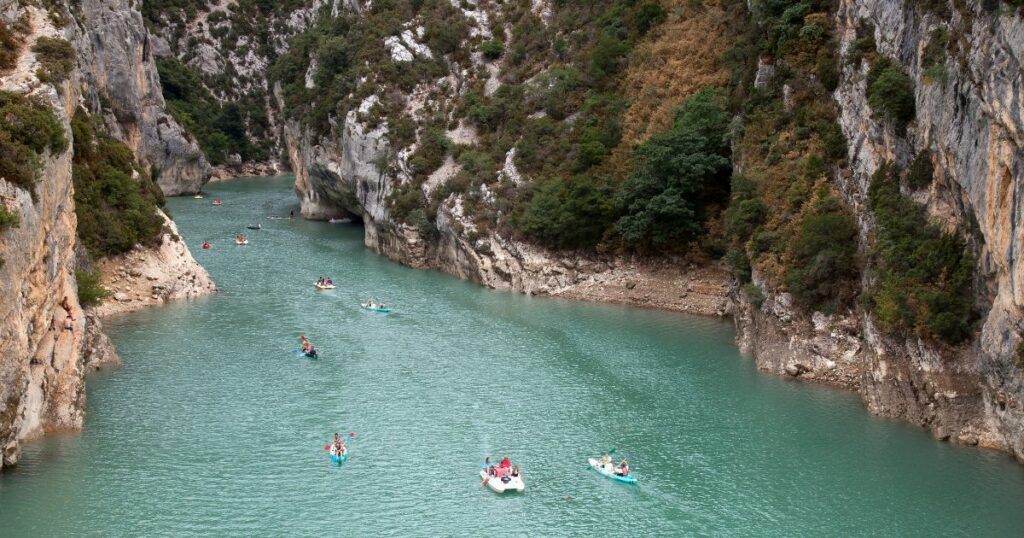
x,y
47,341
42,363
120,81
970,120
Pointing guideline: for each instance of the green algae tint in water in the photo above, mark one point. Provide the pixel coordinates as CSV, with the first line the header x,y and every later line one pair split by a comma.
x,y
214,427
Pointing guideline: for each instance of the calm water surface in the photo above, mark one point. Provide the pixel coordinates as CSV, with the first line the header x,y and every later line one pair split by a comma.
x,y
214,426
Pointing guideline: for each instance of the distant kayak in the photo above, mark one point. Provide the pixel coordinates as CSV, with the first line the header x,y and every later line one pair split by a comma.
x,y
503,484
241,241
340,459
217,202
325,286
255,226
340,221
609,473
380,309
198,196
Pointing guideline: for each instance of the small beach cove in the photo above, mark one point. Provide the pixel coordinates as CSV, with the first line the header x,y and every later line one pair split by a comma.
x,y
214,426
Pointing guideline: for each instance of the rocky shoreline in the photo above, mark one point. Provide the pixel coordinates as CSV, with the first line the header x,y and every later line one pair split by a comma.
x,y
148,277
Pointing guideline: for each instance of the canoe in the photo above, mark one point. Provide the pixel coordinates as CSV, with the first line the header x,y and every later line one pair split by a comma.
x,y
384,310
325,286
596,465
502,485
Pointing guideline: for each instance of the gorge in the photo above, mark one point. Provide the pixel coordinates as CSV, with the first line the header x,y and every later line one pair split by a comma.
x,y
840,177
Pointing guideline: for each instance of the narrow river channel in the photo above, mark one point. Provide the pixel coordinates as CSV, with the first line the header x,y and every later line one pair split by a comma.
x,y
214,426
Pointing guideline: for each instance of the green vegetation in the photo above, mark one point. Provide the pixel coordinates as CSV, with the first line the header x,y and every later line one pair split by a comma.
x,y
823,274
493,49
220,130
890,94
57,59
28,129
8,218
115,210
921,172
783,219
923,282
933,59
677,175
10,47
90,291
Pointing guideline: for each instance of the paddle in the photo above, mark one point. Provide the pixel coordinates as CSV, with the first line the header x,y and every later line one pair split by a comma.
x,y
349,437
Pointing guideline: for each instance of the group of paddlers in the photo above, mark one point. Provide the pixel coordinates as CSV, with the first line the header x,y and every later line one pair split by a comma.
x,y
501,470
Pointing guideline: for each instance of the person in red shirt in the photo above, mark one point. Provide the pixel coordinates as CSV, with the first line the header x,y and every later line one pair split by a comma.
x,y
506,463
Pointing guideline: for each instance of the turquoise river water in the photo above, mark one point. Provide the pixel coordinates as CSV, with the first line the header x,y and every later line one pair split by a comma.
x,y
213,426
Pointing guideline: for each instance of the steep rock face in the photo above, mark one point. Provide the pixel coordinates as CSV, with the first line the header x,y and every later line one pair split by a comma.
x,y
340,176
971,121
120,79
41,363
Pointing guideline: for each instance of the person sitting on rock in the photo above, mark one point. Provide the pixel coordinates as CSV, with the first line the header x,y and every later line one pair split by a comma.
x,y
69,323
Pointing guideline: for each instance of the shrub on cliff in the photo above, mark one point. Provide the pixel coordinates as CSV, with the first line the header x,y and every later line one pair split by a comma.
x,y
572,214
90,291
890,94
10,46
28,128
57,59
923,283
677,175
8,218
115,211
823,273
492,49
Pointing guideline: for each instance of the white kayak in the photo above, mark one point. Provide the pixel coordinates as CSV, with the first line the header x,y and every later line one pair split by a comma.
x,y
325,286
242,242
499,485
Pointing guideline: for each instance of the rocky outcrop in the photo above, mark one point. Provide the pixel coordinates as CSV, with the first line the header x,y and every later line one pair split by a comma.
x,y
152,276
120,81
971,122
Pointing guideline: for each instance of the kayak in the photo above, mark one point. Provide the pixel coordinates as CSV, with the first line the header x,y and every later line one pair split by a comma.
x,y
384,310
198,196
596,465
242,242
501,485
311,354
217,203
255,226
340,459
325,286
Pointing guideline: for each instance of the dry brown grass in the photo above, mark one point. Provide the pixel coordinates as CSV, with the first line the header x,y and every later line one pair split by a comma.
x,y
675,60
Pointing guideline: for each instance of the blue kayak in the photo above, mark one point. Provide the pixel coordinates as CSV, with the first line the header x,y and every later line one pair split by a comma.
x,y
340,459
384,310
